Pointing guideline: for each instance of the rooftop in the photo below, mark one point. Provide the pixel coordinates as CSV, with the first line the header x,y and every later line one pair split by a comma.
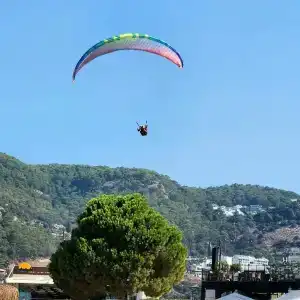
x,y
30,278
39,262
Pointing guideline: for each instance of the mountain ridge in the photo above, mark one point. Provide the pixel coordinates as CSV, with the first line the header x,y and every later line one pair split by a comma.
x,y
49,195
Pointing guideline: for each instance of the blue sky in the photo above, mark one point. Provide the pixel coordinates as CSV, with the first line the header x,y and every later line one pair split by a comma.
x,y
231,115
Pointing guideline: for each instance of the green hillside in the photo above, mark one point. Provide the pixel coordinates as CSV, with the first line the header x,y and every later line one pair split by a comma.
x,y
33,198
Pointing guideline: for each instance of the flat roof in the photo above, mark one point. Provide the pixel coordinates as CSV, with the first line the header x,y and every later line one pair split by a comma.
x,y
38,262
30,279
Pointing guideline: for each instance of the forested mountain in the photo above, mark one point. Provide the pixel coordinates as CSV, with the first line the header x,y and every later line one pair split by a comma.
x,y
36,199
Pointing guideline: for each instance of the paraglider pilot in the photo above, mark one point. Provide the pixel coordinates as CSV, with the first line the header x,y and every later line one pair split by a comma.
x,y
142,129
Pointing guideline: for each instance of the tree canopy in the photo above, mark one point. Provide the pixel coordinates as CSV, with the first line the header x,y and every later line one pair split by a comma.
x,y
120,246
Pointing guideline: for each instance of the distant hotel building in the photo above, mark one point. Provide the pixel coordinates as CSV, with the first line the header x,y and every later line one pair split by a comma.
x,y
247,263
291,255
250,263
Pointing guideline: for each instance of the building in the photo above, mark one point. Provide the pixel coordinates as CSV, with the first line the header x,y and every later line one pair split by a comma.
x,y
192,258
255,209
247,263
196,269
250,263
227,259
292,255
33,280
208,262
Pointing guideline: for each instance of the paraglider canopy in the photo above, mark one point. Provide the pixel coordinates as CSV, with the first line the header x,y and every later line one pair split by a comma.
x,y
129,41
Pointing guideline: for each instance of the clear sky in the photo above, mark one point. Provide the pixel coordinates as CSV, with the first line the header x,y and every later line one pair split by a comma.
x,y
231,115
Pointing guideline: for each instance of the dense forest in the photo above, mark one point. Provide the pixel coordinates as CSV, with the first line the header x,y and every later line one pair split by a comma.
x,y
36,200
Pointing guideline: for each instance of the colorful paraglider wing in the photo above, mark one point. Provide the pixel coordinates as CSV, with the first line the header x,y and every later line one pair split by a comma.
x,y
130,41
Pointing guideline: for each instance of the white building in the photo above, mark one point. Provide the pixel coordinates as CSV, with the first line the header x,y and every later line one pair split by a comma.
x,y
292,255
196,269
192,258
250,262
227,259
206,264
255,209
